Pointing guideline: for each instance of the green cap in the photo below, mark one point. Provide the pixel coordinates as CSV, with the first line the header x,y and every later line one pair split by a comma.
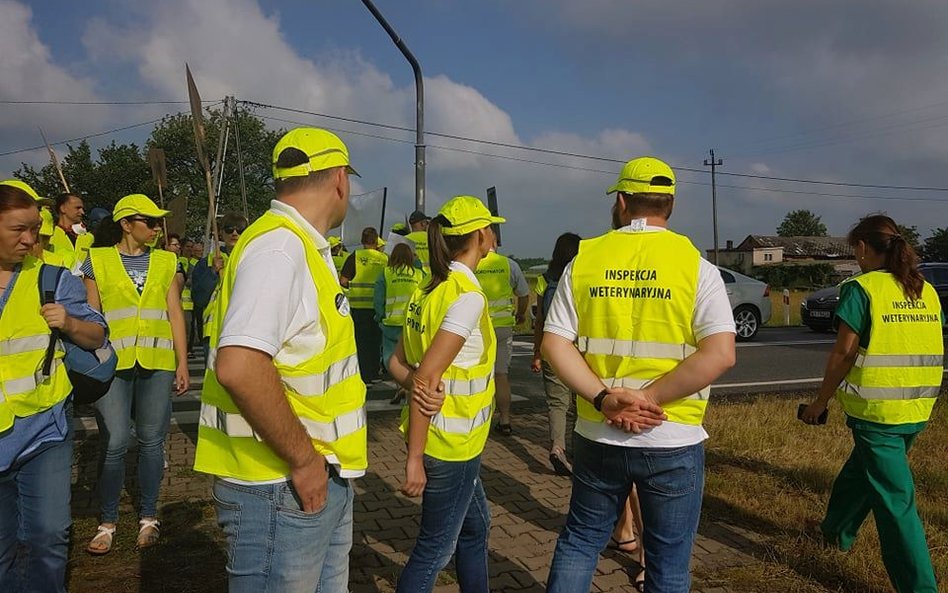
x,y
323,148
465,214
137,204
645,175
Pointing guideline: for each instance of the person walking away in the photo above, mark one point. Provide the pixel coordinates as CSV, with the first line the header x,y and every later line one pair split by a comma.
x,y
70,240
560,400
282,424
195,329
359,274
35,417
339,253
135,289
206,274
393,289
446,358
418,223
886,372
639,327
187,301
502,279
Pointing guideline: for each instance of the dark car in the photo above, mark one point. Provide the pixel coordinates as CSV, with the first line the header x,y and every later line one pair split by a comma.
x,y
818,309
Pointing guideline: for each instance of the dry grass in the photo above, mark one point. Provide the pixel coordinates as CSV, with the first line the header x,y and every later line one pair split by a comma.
x,y
770,473
776,302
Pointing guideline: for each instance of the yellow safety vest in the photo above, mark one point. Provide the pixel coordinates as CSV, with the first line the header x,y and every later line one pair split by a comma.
x,y
24,337
540,287
400,284
325,391
635,299
459,431
60,244
340,260
139,328
369,265
187,303
210,311
493,272
896,379
420,239
54,259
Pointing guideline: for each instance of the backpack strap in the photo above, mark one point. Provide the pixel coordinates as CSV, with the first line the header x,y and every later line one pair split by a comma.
x,y
49,278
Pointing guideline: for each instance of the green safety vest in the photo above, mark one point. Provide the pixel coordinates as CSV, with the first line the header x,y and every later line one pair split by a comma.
x,y
897,378
325,391
635,299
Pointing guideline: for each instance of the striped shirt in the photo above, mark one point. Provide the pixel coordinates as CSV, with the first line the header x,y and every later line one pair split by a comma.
x,y
135,265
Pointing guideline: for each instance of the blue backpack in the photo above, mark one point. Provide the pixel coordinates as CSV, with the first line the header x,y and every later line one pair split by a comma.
x,y
90,371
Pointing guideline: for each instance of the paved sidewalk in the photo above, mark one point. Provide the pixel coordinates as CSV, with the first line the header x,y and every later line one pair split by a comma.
x,y
527,501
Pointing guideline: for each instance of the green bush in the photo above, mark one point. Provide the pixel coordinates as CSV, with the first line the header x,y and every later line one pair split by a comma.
x,y
807,276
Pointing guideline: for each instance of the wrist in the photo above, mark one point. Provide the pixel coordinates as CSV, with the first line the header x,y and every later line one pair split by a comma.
x,y
599,398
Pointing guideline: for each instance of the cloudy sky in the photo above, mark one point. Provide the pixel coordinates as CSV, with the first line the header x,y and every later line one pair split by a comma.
x,y
816,90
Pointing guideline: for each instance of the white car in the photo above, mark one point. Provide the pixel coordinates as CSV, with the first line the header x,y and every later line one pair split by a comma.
x,y
750,301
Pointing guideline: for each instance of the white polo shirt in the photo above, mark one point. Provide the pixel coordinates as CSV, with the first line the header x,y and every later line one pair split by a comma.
x,y
712,315
273,306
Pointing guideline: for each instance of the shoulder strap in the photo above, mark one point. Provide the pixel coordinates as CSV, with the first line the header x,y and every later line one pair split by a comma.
x,y
49,278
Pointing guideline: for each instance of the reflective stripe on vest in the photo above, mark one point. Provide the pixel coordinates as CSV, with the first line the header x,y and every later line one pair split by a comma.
x,y
400,285
635,298
139,325
325,391
493,274
459,431
897,377
24,389
369,265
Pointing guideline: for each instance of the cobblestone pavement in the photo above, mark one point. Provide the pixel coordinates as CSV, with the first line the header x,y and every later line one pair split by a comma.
x,y
528,502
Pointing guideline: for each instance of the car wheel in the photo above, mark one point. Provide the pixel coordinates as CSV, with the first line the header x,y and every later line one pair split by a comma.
x,y
747,320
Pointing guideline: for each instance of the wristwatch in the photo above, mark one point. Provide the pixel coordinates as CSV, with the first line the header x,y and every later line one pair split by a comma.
x,y
597,401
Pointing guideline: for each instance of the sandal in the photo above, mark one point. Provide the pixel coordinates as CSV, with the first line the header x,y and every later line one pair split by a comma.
x,y
638,580
101,544
560,464
615,544
398,397
505,429
147,533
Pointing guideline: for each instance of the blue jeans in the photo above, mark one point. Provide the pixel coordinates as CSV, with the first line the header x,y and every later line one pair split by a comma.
x,y
150,393
455,521
275,547
35,520
670,483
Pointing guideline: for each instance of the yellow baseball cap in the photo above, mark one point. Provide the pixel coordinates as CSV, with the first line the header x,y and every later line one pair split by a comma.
x,y
137,204
46,229
465,214
334,240
324,149
645,175
23,186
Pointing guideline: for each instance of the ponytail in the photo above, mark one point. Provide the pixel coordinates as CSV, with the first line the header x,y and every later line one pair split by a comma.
x,y
442,250
108,233
881,234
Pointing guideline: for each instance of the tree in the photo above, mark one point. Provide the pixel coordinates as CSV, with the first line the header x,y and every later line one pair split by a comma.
x,y
122,169
801,223
910,234
936,246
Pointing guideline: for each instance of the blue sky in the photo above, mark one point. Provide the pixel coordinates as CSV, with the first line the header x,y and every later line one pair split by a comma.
x,y
844,91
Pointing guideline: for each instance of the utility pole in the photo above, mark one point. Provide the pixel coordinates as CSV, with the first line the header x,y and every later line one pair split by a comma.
x,y
419,105
714,164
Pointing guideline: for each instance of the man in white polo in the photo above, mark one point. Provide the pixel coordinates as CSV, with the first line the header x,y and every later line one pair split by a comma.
x,y
282,410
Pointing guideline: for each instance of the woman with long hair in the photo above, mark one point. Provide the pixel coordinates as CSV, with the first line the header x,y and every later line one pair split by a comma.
x,y
135,288
446,359
35,408
393,289
886,371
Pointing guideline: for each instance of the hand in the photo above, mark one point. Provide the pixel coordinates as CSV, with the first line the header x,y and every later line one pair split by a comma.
x,y
218,263
429,402
536,365
56,317
415,478
311,482
182,380
631,410
812,412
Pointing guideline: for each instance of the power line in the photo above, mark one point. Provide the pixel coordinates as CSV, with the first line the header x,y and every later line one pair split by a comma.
x,y
593,157
11,102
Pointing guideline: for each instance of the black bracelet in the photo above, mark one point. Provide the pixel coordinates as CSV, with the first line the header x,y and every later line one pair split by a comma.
x,y
597,401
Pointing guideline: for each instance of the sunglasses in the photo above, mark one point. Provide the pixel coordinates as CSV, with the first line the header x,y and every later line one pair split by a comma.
x,y
152,223
233,229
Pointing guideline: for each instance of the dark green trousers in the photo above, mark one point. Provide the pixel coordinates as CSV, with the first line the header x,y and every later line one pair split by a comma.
x,y
877,478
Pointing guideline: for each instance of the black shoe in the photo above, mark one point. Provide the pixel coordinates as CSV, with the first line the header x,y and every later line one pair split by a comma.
x,y
505,429
561,466
398,397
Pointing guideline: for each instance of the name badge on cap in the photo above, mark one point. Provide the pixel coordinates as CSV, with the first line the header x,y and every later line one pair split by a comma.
x,y
638,224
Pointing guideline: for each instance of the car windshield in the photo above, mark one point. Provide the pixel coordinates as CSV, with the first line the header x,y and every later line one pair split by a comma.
x,y
937,275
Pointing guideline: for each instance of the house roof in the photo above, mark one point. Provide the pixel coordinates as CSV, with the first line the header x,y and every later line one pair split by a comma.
x,y
822,247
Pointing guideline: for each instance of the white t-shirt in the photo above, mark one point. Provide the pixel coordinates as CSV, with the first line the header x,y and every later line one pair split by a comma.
x,y
712,315
273,306
464,319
